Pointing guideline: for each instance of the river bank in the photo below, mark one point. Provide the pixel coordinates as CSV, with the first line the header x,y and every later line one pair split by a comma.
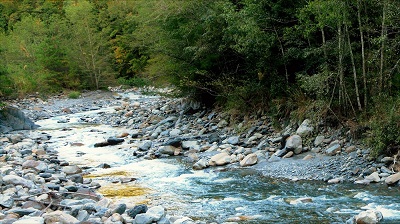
x,y
151,128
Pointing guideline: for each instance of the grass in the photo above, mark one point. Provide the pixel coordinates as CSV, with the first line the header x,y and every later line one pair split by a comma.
x,y
74,95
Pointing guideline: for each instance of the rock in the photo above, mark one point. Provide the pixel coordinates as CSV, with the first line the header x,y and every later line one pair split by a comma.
x,y
374,177
83,215
305,128
6,201
222,124
201,164
334,181
220,159
187,220
281,152
37,165
308,157
368,217
143,218
114,141
120,209
350,149
333,150
168,150
16,180
190,145
318,140
138,209
59,217
392,179
294,142
73,169
274,158
30,220
156,212
175,132
301,201
288,155
146,145
249,160
12,118
387,159
233,140
115,218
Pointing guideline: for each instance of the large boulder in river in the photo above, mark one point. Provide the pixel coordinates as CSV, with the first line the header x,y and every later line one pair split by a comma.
x,y
12,118
368,217
249,160
220,159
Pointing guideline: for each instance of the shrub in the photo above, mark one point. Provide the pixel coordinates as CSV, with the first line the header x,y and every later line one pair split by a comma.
x,y
385,127
74,95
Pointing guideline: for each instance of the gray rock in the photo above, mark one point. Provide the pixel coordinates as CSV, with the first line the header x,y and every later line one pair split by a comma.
x,y
83,215
369,217
73,169
392,179
30,220
201,164
233,140
16,180
220,159
305,128
175,132
143,218
294,142
12,118
120,209
6,201
167,149
318,140
37,165
145,146
138,209
23,211
190,145
333,150
156,212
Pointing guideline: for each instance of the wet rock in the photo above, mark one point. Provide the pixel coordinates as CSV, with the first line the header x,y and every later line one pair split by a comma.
x,y
368,217
115,141
201,164
301,201
233,140
156,212
120,209
12,118
249,160
138,209
59,217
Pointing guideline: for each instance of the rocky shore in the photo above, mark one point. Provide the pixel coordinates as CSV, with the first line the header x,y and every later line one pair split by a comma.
x,y
38,187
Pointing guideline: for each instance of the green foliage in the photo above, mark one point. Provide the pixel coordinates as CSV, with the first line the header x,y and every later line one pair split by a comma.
x,y
134,82
385,126
74,94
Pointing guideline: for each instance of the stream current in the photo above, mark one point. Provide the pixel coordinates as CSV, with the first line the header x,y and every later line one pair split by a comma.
x,y
211,195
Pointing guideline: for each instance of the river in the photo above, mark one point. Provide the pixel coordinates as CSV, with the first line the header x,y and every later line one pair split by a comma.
x,y
216,194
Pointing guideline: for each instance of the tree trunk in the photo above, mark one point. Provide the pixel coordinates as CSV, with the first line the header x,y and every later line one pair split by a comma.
x,y
364,75
324,49
340,66
383,40
283,56
354,68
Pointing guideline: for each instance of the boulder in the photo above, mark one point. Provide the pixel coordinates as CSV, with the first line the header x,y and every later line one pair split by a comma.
x,y
368,217
201,164
6,201
145,146
318,140
249,160
12,118
392,179
374,177
233,140
190,145
73,169
16,180
37,165
168,150
294,143
220,159
138,209
305,128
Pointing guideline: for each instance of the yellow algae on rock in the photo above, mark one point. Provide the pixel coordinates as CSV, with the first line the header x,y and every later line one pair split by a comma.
x,y
122,191
109,174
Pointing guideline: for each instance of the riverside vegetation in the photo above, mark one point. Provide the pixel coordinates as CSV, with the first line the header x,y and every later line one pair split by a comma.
x,y
333,62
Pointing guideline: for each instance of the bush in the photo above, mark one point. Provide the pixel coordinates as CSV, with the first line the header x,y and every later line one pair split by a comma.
x,y
74,95
384,136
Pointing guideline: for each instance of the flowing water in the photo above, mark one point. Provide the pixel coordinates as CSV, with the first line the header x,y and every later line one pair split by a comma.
x,y
219,195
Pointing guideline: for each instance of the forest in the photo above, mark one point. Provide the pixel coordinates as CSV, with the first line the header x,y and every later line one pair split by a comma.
x,y
291,59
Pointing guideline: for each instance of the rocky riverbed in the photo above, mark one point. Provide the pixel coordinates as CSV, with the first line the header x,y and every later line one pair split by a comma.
x,y
40,187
